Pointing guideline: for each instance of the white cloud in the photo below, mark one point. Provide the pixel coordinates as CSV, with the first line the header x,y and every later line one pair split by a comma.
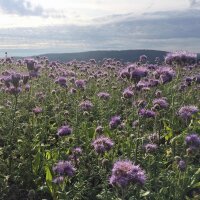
x,y
80,25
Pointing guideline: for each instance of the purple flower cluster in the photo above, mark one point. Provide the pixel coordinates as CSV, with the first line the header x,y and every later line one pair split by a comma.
x,y
151,148
139,72
161,103
128,93
30,63
61,81
186,112
193,141
181,57
103,95
147,113
80,84
125,173
115,122
32,67
165,74
102,144
143,59
64,168
13,82
181,165
86,105
64,131
124,73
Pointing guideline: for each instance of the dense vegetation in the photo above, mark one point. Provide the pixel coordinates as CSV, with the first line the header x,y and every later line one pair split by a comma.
x,y
100,131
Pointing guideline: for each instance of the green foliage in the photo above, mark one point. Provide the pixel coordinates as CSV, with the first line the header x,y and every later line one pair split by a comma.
x,y
30,147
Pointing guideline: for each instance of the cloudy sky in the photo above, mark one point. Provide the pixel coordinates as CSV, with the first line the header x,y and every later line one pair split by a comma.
x,y
32,27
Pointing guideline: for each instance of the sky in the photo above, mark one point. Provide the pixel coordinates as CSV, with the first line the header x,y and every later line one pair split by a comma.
x,y
33,27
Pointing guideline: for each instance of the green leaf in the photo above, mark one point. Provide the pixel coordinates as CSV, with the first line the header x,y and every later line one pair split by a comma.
x,y
36,162
49,178
196,185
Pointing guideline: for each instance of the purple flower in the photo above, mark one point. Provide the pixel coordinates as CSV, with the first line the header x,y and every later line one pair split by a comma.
x,y
15,78
127,93
80,84
14,90
143,58
37,110
58,180
193,140
61,81
142,84
186,112
77,151
27,87
64,130
165,74
30,64
125,173
147,113
161,102
103,95
64,168
33,74
124,73
86,105
181,165
115,122
181,57
151,148
139,72
102,144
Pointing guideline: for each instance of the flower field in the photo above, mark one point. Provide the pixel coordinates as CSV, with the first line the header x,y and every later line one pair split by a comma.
x,y
100,130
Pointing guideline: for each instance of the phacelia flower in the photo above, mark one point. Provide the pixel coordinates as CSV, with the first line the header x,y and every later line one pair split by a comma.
x,y
64,168
143,58
64,130
165,74
181,165
37,110
127,93
193,140
181,57
61,81
86,105
115,122
15,78
186,112
125,173
102,144
147,113
161,102
58,180
151,148
139,72
80,84
103,95
77,151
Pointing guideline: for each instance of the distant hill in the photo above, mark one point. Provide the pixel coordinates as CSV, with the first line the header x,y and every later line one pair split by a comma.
x,y
123,55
